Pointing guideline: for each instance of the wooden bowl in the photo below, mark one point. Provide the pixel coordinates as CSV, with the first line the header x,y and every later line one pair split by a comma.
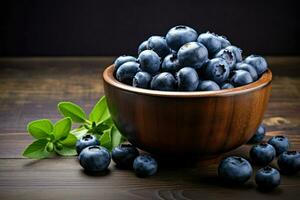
x,y
201,124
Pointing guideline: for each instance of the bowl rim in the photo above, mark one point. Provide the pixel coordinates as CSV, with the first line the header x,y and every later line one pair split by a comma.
x,y
263,81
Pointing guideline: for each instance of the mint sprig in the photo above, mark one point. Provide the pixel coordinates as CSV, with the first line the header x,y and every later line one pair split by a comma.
x,y
60,139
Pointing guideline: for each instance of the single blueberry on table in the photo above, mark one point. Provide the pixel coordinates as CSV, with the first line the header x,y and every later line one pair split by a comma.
x,y
227,55
94,158
289,162
280,143
237,52
259,135
170,63
262,154
192,54
142,80
248,68
227,86
217,70
258,62
164,81
235,170
123,59
187,79
208,85
144,165
149,61
85,141
124,155
159,45
211,41
127,71
267,178
180,35
240,78
143,46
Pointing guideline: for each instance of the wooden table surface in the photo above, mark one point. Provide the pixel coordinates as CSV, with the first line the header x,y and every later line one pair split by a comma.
x,y
30,88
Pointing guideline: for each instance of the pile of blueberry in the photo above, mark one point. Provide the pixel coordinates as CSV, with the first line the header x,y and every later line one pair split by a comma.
x,y
238,170
186,61
95,158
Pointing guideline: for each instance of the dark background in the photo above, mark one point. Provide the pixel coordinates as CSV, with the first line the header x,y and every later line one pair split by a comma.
x,y
114,27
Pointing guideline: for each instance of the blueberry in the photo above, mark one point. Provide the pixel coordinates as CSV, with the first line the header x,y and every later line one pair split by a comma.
x,y
258,62
208,86
170,63
149,61
180,35
187,79
267,178
289,162
159,45
164,81
85,141
259,135
94,158
224,42
237,52
143,46
241,77
217,70
123,59
227,55
127,71
124,155
248,68
262,154
280,143
144,165
235,170
211,41
192,54
227,86
142,80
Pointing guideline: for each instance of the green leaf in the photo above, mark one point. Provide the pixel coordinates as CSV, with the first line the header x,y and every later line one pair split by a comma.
x,y
37,149
79,132
100,111
105,139
116,137
70,141
66,151
75,112
62,128
40,128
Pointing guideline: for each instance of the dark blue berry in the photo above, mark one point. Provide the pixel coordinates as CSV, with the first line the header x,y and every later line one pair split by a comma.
x,y
159,45
289,162
170,63
149,61
142,80
144,165
259,135
124,155
127,71
267,178
85,141
258,62
143,46
217,70
280,143
248,68
208,86
211,41
123,59
227,86
187,79
240,78
164,81
262,154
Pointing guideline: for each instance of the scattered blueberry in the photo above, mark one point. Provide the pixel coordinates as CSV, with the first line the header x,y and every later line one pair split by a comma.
x,y
208,86
124,155
94,158
267,178
227,86
170,63
149,61
187,79
211,41
217,70
164,81
289,162
258,62
248,68
280,143
123,59
142,80
235,170
143,46
192,54
127,71
85,141
262,154
240,78
180,35
159,45
144,165
259,135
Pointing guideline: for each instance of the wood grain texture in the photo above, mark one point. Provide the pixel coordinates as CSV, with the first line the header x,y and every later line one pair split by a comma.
x,y
31,88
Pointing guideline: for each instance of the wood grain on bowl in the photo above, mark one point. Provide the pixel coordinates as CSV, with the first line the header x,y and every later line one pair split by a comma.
x,y
199,124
